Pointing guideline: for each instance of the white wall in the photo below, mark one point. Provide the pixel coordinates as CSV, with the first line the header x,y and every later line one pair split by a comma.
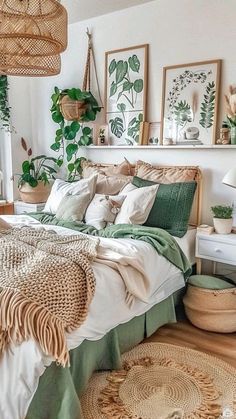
x,y
178,31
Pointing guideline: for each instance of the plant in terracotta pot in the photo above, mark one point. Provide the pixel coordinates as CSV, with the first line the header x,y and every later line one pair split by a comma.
x,y
71,109
37,172
223,220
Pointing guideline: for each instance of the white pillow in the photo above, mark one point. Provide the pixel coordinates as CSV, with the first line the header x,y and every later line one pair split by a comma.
x,y
103,210
127,188
137,206
62,188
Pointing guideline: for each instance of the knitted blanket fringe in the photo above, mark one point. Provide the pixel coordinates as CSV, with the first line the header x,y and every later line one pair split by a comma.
x,y
44,318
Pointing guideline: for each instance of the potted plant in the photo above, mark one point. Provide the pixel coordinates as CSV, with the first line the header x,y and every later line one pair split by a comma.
x,y
77,107
231,112
37,172
223,220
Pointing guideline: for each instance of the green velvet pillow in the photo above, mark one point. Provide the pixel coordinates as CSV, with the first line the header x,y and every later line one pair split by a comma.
x,y
172,206
209,282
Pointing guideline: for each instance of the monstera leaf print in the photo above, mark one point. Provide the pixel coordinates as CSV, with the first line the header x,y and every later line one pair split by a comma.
x,y
117,126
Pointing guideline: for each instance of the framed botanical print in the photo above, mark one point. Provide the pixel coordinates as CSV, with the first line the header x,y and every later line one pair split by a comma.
x,y
190,103
126,93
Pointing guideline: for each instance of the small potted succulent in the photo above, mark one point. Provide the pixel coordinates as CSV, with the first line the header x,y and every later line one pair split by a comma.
x,y
223,220
34,182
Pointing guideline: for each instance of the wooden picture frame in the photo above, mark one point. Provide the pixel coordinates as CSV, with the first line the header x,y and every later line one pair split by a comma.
x,y
190,99
126,84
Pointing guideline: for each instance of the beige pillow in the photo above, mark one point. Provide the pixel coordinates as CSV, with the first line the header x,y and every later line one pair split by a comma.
x,y
127,188
73,207
103,210
111,185
165,174
89,168
137,206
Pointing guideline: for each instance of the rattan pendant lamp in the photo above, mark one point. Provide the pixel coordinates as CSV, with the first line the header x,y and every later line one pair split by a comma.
x,y
33,33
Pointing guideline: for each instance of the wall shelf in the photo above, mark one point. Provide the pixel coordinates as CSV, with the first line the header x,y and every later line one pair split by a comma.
x,y
161,147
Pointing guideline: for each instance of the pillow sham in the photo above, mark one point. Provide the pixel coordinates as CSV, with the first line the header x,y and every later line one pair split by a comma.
x,y
111,185
172,205
61,188
165,174
103,210
127,188
137,205
89,168
73,207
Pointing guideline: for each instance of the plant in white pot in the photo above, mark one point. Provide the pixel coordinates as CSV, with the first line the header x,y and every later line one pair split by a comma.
x,y
37,172
223,220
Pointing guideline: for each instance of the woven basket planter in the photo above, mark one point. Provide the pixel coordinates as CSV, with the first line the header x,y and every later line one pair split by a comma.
x,y
72,110
35,195
212,310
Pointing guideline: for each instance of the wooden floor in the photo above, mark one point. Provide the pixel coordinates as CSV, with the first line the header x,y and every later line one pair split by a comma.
x,y
184,334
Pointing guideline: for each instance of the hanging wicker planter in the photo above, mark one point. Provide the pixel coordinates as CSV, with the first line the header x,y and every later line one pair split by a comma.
x,y
32,28
72,110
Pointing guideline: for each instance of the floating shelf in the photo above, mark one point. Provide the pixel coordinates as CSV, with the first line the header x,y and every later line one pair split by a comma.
x,y
165,147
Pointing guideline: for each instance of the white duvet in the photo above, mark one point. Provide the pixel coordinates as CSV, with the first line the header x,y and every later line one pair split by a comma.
x,y
21,366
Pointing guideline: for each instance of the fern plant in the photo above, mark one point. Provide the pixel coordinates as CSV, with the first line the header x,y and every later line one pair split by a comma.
x,y
208,106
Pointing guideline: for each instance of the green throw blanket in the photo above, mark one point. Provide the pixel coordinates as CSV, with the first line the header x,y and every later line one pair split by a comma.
x,y
162,241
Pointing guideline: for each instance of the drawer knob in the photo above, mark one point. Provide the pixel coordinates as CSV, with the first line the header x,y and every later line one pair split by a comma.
x,y
217,250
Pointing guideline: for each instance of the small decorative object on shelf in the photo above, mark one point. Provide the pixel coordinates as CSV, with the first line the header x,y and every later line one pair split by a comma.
x,y
100,135
223,220
205,229
231,112
224,135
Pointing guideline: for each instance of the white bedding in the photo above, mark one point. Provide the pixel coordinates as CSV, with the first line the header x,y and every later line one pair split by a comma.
x,y
21,366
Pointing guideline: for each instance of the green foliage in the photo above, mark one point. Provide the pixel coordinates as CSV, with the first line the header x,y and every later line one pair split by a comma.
x,y
4,105
122,83
208,106
71,136
117,126
133,129
39,168
182,113
221,211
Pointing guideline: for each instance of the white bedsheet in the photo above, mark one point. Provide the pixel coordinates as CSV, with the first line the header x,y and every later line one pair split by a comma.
x,y
21,366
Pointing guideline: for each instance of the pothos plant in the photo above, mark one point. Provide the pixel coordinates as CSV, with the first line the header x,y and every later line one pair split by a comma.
x,y
70,136
126,86
4,105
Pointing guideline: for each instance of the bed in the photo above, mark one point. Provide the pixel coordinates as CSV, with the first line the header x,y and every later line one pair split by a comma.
x,y
33,386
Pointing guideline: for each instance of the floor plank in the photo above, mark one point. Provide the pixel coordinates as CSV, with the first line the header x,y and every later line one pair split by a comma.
x,y
184,334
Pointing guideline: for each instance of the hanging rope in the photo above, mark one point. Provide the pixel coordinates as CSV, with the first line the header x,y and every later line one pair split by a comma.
x,y
87,74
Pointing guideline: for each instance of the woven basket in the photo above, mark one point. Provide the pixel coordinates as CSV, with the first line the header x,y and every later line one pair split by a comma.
x,y
212,310
35,195
72,110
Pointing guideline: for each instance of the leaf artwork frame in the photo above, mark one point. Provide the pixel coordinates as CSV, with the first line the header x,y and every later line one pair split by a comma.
x,y
190,97
126,82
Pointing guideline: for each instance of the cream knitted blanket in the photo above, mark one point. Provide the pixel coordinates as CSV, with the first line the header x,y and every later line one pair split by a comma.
x,y
46,286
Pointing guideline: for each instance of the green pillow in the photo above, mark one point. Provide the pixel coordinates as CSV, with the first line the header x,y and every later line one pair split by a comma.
x,y
172,206
209,282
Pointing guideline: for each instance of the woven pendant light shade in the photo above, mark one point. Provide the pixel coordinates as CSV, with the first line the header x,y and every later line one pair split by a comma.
x,y
30,66
30,28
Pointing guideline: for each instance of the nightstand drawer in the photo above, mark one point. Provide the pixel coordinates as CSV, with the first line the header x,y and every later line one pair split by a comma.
x,y
216,250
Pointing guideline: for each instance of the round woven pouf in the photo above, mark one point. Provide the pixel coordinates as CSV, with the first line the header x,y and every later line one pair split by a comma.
x,y
160,381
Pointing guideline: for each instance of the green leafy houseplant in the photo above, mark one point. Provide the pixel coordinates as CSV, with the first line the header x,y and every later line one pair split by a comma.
x,y
72,135
223,212
4,105
36,169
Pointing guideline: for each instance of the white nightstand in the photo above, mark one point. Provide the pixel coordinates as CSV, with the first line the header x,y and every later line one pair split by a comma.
x,y
216,247
21,207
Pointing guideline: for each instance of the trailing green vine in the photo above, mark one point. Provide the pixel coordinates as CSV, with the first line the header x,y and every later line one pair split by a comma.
x,y
4,105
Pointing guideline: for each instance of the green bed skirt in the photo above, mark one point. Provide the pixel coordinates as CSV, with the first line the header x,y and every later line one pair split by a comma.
x,y
57,396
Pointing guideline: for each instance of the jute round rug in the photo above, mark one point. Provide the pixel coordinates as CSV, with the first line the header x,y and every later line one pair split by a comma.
x,y
160,381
